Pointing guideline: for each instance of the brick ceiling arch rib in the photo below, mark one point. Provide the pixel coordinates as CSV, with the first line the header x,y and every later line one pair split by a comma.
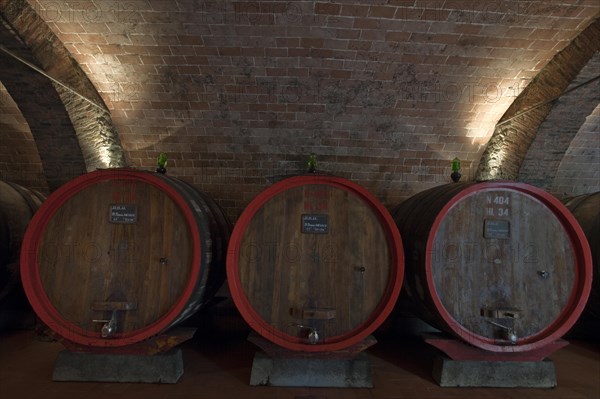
x,y
44,112
518,128
579,169
20,161
98,140
568,116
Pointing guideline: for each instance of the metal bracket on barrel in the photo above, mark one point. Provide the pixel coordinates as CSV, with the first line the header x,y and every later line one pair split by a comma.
x,y
313,335
312,314
503,313
110,326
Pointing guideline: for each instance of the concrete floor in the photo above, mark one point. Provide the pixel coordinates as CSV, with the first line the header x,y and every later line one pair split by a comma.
x,y
220,368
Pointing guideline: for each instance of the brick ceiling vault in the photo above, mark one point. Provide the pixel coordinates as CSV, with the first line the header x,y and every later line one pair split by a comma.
x,y
567,119
96,137
238,93
579,169
44,112
518,127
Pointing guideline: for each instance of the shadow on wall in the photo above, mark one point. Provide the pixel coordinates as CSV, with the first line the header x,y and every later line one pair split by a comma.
x,y
234,164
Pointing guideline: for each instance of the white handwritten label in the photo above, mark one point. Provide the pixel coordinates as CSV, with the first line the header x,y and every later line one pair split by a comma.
x,y
315,224
123,213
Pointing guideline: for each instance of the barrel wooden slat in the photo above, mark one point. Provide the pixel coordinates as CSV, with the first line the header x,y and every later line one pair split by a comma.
x,y
488,259
586,209
17,206
341,282
141,243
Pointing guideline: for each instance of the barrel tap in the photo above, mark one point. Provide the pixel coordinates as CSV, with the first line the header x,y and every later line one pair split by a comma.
x,y
510,332
313,335
109,327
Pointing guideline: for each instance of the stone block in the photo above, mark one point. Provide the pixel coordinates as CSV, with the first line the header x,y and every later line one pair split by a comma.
x,y
162,368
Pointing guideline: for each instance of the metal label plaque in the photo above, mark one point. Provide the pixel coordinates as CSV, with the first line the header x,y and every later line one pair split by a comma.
x,y
493,228
315,224
123,213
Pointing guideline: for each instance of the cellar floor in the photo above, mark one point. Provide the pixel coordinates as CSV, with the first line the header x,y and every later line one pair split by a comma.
x,y
220,368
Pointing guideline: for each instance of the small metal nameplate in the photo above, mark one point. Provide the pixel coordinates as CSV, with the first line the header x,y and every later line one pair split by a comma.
x,y
315,224
123,213
493,228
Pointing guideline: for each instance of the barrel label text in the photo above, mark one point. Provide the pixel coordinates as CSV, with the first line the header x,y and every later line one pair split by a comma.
x,y
123,213
315,224
498,205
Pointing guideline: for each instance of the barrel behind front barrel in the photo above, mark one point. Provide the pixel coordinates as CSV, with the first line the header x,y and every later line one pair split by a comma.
x,y
18,204
586,209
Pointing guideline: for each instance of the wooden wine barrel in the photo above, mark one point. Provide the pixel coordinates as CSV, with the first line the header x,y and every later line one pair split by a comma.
x,y
315,263
17,206
503,266
117,256
586,209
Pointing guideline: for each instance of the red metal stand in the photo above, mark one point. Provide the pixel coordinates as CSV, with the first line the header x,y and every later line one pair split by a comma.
x,y
276,351
459,350
161,343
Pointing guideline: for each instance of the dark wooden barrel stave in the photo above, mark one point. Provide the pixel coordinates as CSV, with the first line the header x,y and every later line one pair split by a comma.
x,y
586,209
493,262
17,206
142,249
315,264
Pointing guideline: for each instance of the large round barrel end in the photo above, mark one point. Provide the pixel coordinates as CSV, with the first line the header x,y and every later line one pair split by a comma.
x,y
485,258
315,264
117,256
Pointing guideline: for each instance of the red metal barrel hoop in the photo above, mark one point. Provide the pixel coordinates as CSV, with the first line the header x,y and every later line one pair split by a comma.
x,y
178,197
278,334
435,207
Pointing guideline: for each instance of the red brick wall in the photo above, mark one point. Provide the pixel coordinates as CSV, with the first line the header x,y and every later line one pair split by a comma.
x,y
238,94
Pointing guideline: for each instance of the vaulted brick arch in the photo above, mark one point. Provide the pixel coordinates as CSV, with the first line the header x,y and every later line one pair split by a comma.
x,y
571,116
579,169
19,158
517,129
69,122
44,113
